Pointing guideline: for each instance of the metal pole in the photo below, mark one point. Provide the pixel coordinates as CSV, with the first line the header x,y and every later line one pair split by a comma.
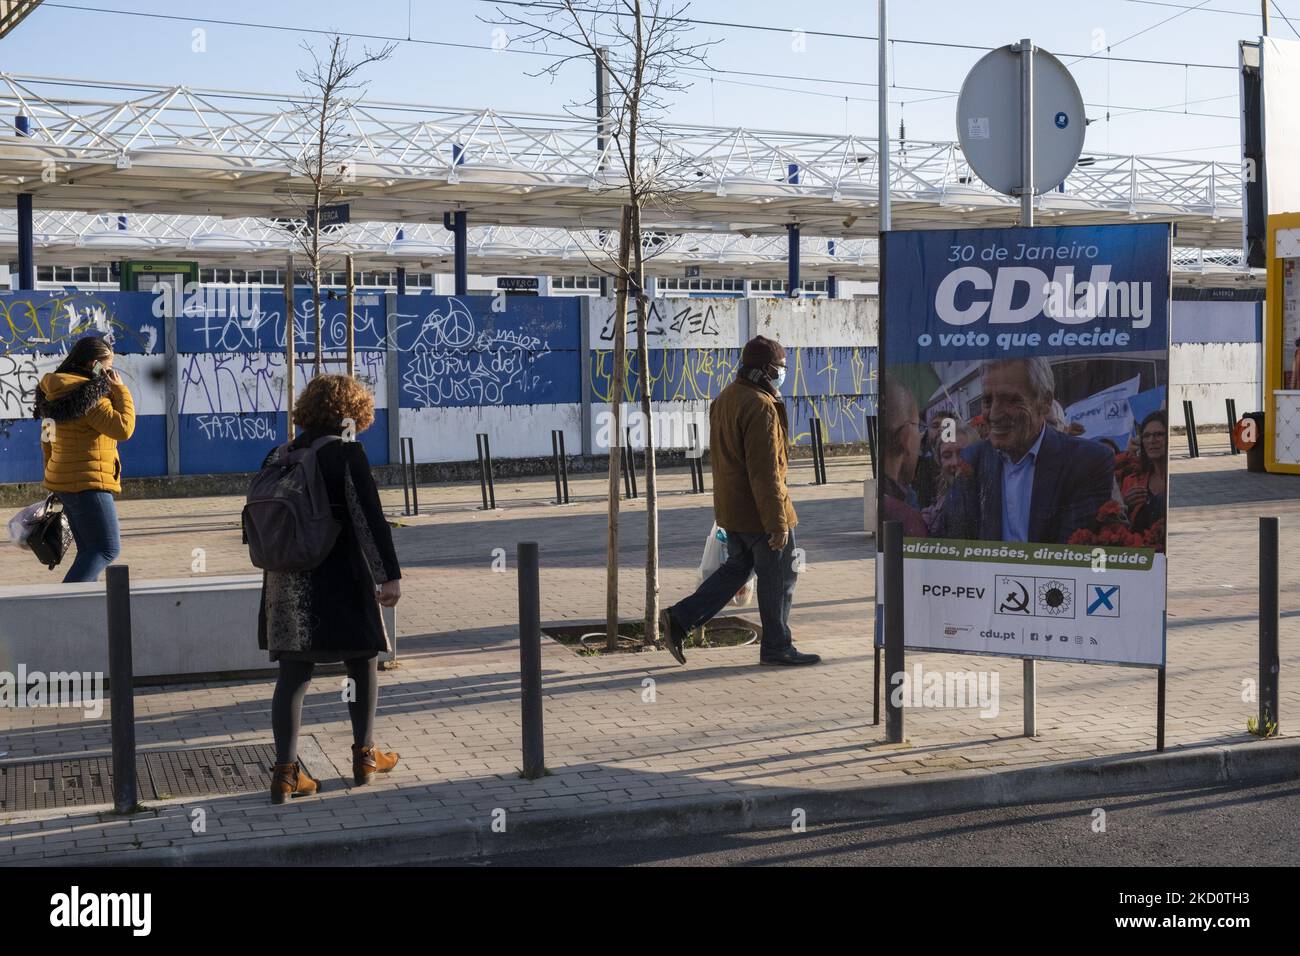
x,y
1160,710
352,321
872,427
491,478
406,477
290,345
1031,696
630,461
1026,133
26,229
1189,418
462,255
882,115
530,660
1029,667
602,102
893,555
121,689
875,691
792,260
1263,12
26,243
415,479
1269,664
555,465
401,280
564,467
482,469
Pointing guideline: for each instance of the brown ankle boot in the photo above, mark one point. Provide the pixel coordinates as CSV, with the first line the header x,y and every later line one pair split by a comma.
x,y
370,760
291,780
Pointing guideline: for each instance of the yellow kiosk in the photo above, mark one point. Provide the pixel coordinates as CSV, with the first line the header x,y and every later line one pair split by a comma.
x,y
1281,337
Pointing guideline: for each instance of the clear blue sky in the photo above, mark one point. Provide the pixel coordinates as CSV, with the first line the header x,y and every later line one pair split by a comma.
x,y
58,41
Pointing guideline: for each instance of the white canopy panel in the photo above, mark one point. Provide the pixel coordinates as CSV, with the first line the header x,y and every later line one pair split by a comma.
x,y
140,149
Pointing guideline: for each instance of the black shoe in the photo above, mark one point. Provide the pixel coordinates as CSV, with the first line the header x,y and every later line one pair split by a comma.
x,y
790,657
674,636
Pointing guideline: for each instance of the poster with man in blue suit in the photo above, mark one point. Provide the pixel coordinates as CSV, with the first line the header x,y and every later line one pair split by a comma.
x,y
1033,510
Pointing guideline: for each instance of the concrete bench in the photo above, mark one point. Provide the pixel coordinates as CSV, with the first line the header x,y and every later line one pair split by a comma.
x,y
182,629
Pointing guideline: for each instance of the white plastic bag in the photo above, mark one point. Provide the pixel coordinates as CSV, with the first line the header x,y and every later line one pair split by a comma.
x,y
715,554
21,524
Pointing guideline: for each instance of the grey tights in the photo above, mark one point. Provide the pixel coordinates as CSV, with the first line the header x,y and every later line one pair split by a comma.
x,y
291,688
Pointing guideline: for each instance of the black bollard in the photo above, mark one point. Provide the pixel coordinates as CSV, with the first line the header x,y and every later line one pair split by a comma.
x,y
818,450
1269,663
555,464
530,660
1232,423
1193,445
629,465
121,679
695,458
487,480
410,492
893,555
564,467
872,425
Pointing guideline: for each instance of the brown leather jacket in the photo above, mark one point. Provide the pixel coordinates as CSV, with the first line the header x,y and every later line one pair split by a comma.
x,y
748,444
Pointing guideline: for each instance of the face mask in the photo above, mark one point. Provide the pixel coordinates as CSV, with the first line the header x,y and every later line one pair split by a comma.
x,y
779,380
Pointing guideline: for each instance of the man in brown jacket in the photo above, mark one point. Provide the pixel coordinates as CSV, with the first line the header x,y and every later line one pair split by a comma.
x,y
749,434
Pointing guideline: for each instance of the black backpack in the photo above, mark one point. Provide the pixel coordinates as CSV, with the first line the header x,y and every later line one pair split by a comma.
x,y
287,520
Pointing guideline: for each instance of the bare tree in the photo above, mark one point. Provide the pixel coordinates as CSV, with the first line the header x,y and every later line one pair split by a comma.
x,y
324,166
642,47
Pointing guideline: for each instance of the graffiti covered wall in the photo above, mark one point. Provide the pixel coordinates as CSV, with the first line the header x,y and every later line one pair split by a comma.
x,y
36,331
442,369
694,352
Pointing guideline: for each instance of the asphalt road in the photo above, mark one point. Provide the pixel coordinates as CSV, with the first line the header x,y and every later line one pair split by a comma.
x,y
1220,826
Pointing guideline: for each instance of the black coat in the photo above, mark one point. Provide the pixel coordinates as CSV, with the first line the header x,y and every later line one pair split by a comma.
x,y
330,613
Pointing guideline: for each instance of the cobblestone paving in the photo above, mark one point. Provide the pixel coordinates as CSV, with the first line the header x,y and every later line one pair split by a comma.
x,y
721,724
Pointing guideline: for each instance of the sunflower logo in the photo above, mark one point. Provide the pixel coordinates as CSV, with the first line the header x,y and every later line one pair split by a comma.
x,y
1056,598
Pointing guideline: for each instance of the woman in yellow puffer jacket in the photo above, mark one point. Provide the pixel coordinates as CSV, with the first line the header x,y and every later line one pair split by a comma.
x,y
85,410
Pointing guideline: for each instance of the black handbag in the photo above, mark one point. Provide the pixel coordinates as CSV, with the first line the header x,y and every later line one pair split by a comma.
x,y
51,535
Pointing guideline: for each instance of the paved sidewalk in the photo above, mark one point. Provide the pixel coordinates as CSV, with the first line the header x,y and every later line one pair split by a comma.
x,y
636,731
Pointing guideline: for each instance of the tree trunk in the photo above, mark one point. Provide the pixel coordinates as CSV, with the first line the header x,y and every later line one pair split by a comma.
x,y
315,298
617,387
647,414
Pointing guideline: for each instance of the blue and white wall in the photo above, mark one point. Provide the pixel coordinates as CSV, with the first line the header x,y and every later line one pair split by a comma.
x,y
444,368
507,367
694,350
36,330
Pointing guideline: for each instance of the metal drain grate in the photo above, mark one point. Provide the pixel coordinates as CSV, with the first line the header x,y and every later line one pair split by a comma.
x,y
193,773
60,783
159,775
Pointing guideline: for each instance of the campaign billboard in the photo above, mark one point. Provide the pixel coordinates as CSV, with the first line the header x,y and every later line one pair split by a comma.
x,y
1024,438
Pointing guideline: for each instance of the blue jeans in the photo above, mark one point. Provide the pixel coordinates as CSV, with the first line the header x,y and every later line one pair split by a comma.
x,y
746,554
92,516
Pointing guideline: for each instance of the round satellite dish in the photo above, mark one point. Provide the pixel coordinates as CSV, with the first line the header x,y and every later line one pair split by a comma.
x,y
988,120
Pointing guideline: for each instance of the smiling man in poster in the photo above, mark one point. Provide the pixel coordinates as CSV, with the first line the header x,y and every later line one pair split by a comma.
x,y
1032,551
1027,481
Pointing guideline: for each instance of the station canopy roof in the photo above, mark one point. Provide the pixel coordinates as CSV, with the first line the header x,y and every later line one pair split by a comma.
x,y
68,238
207,172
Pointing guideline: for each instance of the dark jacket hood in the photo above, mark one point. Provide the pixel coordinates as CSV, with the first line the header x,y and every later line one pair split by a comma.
x,y
66,396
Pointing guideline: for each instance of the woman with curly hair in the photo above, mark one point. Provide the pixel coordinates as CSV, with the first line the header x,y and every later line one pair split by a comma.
x,y
331,613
